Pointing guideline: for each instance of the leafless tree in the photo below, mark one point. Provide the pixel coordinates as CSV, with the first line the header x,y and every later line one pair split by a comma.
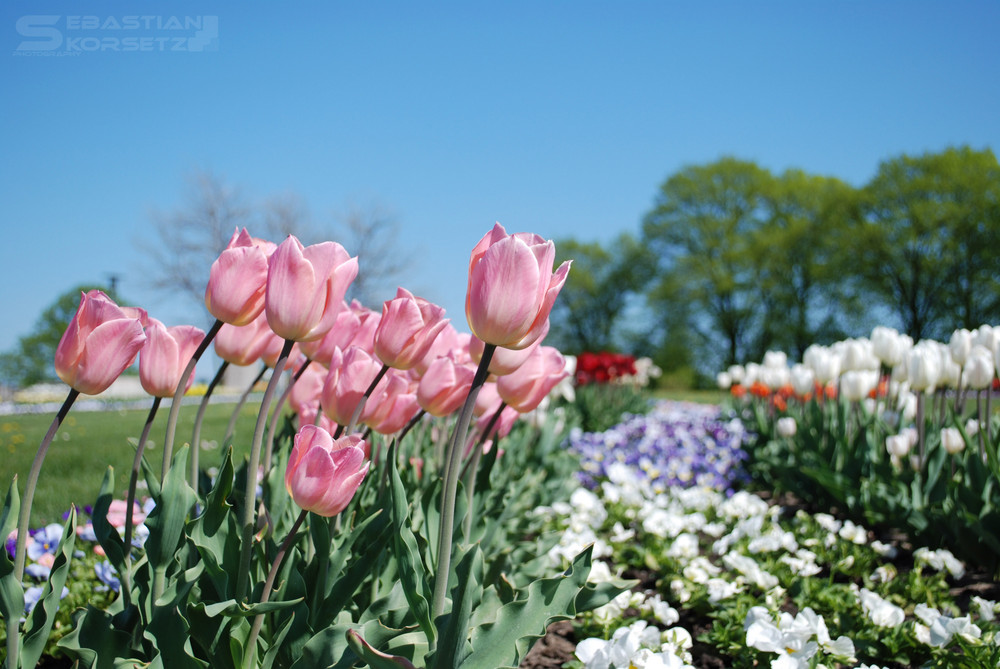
x,y
186,240
371,232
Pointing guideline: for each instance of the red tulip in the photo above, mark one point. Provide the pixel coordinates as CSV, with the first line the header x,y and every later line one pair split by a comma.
x,y
165,355
101,342
525,389
444,386
243,345
323,474
306,287
407,330
512,287
237,280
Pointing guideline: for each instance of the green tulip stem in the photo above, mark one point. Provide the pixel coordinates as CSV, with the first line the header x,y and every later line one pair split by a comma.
x,y
921,429
979,420
175,403
472,467
450,492
258,621
231,427
196,433
130,497
24,518
246,546
29,491
364,399
269,443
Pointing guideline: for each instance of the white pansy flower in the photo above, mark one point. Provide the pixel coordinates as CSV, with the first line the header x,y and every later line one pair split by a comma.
x,y
719,590
853,533
985,608
881,612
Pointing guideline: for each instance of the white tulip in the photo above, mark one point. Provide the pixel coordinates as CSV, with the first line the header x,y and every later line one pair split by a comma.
x,y
803,379
951,440
960,345
978,372
786,427
723,380
923,367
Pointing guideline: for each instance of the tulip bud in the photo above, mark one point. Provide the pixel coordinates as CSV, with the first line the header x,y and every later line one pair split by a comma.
x,y
525,388
238,278
165,356
786,427
444,386
306,287
952,441
243,345
323,474
512,287
407,329
101,341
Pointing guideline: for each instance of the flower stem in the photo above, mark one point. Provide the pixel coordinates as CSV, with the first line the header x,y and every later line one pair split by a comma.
x,y
364,399
175,403
453,457
246,545
269,443
196,433
258,620
231,427
13,634
130,497
472,467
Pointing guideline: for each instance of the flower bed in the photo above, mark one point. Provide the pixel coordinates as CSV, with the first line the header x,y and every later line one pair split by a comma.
x,y
730,580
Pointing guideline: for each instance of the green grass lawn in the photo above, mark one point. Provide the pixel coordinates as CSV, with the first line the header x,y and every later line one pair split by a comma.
x,y
89,441
699,396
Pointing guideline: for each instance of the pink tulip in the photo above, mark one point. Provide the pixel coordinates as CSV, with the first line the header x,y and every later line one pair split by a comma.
x,y
272,349
407,329
488,400
101,341
505,360
238,278
512,287
306,391
323,474
503,425
345,327
365,336
393,404
449,342
349,378
308,417
444,386
165,355
525,388
306,287
243,345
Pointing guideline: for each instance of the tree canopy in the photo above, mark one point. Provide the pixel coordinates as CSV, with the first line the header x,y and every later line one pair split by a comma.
x,y
737,259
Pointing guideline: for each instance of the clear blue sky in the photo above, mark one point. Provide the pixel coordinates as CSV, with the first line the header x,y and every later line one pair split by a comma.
x,y
560,118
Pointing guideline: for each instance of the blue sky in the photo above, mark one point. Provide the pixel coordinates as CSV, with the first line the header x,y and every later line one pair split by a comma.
x,y
560,118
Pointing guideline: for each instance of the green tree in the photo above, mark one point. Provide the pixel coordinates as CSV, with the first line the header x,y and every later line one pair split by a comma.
x,y
601,293
803,256
703,230
930,228
31,359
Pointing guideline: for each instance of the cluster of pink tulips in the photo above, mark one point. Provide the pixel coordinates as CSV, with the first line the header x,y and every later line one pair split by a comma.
x,y
355,370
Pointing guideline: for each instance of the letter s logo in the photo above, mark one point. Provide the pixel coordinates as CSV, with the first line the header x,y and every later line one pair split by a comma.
x,y
34,26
